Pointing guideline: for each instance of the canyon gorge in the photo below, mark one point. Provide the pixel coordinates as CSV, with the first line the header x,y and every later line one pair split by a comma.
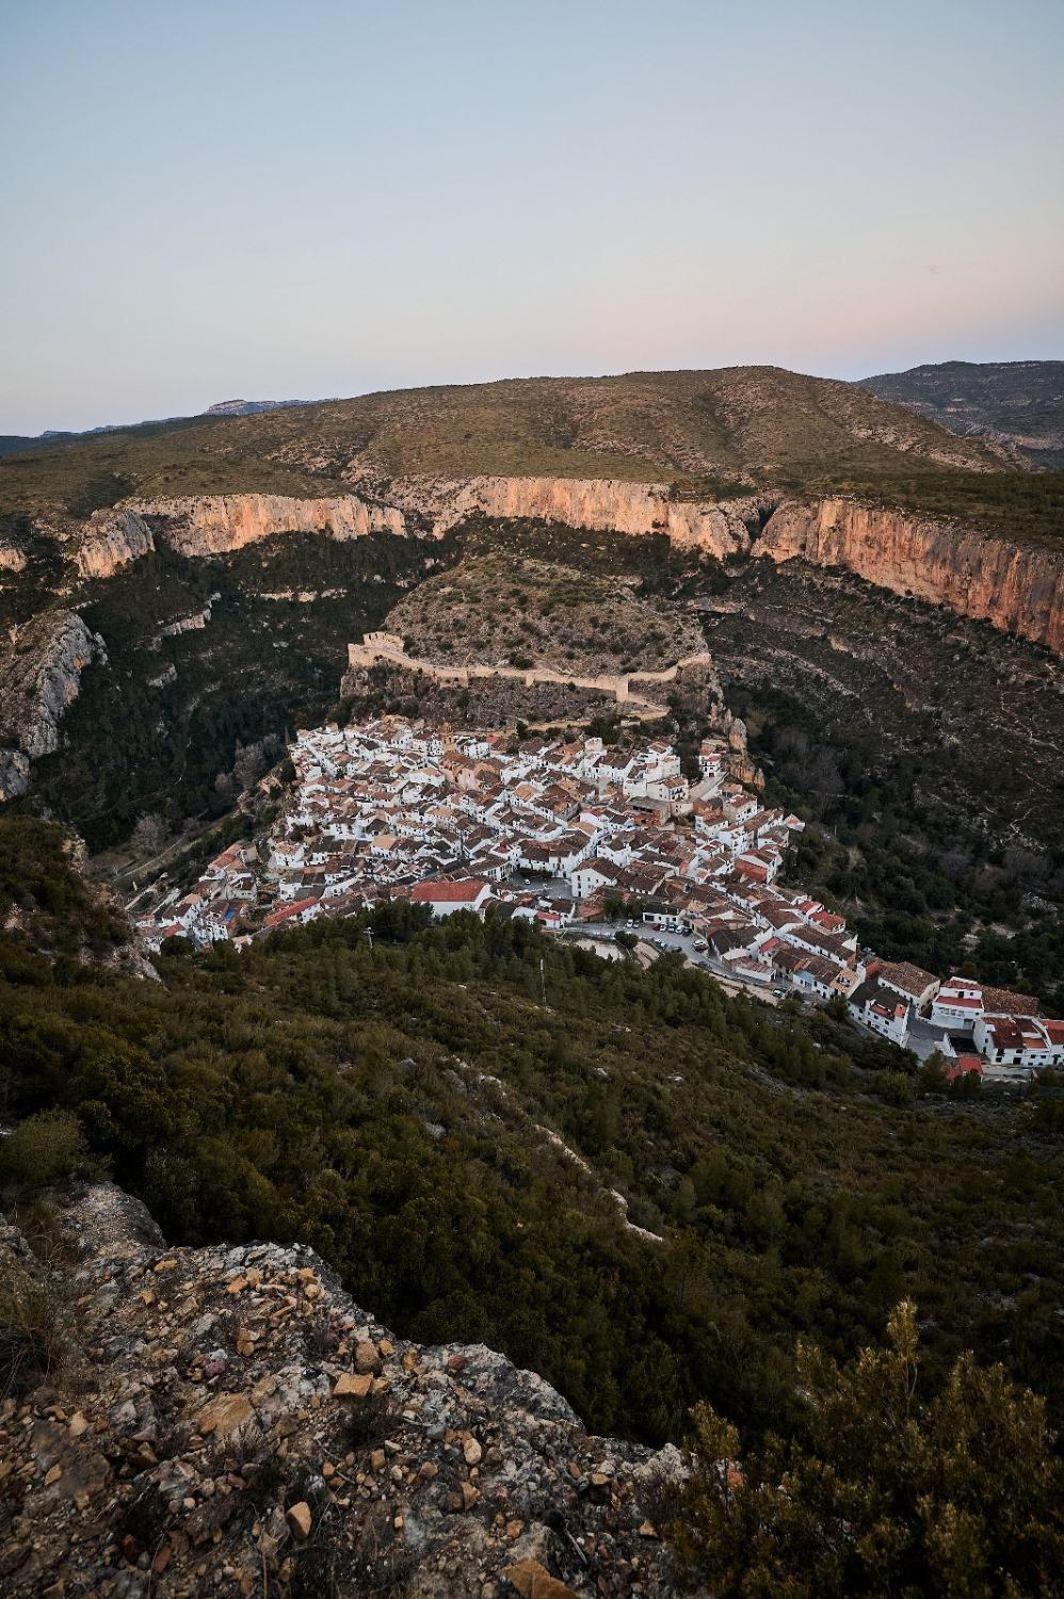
x,y
1017,588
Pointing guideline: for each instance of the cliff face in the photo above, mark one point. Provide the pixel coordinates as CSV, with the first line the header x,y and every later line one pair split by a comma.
x,y
111,540
924,687
40,675
215,523
228,1420
220,522
599,504
1020,590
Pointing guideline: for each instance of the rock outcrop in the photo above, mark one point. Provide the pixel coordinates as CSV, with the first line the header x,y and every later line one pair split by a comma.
x,y
213,524
1018,589
228,1421
111,540
40,676
598,504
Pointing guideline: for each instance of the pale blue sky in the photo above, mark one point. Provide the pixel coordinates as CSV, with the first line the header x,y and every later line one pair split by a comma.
x,y
272,199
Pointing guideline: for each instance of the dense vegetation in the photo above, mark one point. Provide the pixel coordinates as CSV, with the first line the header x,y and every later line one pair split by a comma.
x,y
881,1490
387,1102
159,730
919,880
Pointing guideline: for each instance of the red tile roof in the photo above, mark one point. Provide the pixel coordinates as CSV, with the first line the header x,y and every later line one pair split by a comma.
x,y
461,893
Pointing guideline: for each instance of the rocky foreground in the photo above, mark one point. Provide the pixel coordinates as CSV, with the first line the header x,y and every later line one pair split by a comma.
x,y
228,1421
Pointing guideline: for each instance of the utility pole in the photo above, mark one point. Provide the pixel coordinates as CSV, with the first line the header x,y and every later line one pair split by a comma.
x,y
542,982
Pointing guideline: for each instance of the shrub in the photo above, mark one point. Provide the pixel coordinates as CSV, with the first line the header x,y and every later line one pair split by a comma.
x,y
878,1492
44,1149
367,1423
34,1337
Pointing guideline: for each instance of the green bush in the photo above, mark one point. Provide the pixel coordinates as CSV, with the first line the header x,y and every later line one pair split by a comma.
x,y
44,1149
880,1492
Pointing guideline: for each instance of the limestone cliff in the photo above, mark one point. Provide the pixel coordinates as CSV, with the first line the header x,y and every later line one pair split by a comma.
x,y
215,523
40,676
228,1420
111,539
1019,589
599,504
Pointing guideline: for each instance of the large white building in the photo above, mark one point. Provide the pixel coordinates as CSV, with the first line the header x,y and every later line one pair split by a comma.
x,y
1022,1041
444,898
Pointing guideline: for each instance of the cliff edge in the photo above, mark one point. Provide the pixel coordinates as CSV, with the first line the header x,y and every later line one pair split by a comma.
x,y
40,678
1018,587
227,1420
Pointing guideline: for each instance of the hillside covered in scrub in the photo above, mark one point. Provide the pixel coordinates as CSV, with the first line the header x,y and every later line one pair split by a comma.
x,y
391,1102
717,433
510,610
644,1192
1015,402
640,426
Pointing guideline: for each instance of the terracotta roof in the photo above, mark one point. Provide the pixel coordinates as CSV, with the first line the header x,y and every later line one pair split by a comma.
x,y
464,892
1003,1002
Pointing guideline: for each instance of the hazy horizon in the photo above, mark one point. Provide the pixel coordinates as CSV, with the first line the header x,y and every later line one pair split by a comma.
x,y
250,202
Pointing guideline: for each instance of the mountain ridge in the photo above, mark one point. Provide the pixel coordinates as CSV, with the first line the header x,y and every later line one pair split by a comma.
x,y
750,425
1017,403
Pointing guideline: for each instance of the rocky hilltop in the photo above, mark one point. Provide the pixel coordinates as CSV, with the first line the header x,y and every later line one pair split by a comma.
x,y
228,1421
758,426
40,676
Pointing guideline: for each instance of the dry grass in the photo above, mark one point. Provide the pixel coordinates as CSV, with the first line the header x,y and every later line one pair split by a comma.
x,y
35,1339
749,424
521,612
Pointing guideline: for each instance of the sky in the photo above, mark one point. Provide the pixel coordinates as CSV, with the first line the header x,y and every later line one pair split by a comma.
x,y
270,200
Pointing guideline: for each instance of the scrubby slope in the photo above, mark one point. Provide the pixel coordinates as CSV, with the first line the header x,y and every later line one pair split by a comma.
x,y
1017,402
503,609
391,1103
746,423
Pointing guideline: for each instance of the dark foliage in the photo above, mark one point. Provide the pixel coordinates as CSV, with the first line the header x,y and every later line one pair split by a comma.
x,y
284,1092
